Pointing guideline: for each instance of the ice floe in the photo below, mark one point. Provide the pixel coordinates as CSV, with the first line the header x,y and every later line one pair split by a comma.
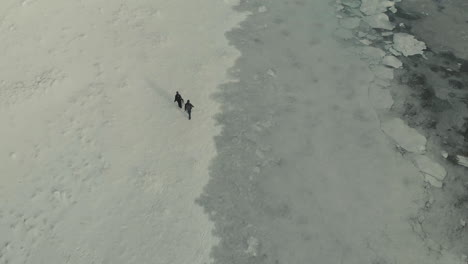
x,y
373,7
407,44
434,173
392,61
444,154
373,54
365,42
380,21
432,181
406,137
461,160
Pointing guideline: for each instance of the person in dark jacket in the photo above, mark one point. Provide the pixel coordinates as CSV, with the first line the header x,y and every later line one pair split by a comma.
x,y
178,99
188,109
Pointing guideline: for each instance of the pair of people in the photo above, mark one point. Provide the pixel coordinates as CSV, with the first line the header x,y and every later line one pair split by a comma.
x,y
188,106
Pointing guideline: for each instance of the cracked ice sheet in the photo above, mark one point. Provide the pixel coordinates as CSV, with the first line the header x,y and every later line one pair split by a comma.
x,y
339,192
98,165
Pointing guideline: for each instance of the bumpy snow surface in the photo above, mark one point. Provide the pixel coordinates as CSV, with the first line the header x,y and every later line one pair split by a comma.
x,y
284,161
98,165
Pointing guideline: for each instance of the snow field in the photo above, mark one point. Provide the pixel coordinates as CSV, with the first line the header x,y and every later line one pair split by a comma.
x,y
99,164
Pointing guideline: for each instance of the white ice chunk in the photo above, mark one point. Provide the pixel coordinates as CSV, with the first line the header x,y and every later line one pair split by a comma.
x,y
407,44
371,54
430,167
394,52
432,181
405,136
392,61
462,160
444,154
379,21
365,42
373,7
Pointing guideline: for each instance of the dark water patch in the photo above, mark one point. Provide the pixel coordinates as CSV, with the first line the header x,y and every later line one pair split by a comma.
x,y
437,103
456,84
404,14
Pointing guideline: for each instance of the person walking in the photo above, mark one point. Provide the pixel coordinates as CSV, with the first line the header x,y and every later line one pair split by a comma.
x,y
178,99
188,109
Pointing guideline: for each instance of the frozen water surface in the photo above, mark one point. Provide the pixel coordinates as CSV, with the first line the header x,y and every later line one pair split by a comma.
x,y
308,164
304,165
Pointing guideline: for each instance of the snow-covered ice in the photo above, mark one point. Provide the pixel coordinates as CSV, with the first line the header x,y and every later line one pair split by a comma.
x,y
286,160
462,160
98,164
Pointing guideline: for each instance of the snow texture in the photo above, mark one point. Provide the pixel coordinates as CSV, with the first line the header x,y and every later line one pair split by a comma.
x,y
98,163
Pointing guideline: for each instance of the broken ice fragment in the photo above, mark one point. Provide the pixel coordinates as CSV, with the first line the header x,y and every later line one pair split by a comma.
x,y
462,161
351,3
374,55
392,61
379,21
365,42
430,167
444,154
393,51
432,181
406,137
373,7
407,44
